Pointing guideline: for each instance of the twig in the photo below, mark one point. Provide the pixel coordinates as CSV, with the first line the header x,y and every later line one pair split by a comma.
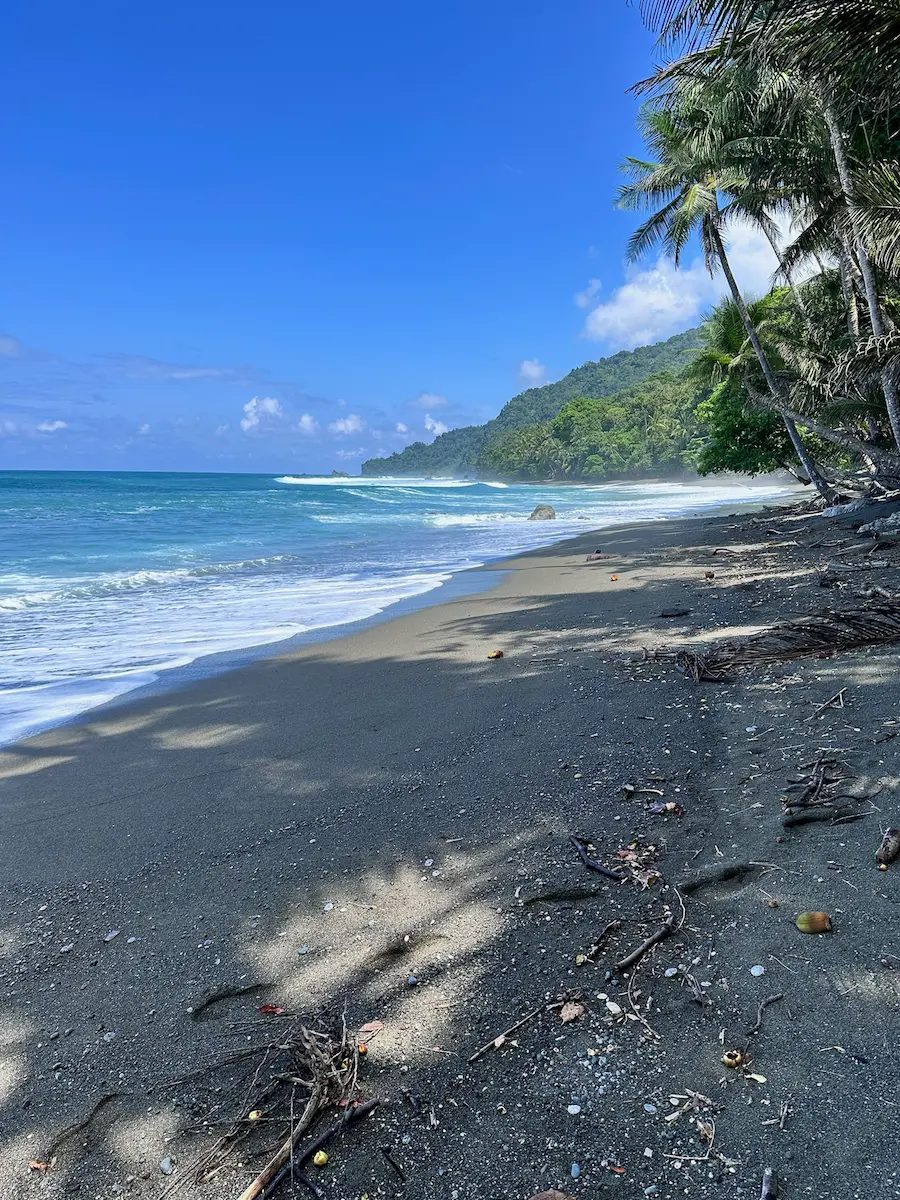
x,y
351,1115
763,1005
592,863
386,1151
492,1044
837,699
630,960
283,1159
594,948
769,1185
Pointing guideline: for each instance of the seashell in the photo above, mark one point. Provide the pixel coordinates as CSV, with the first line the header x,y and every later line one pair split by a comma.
x,y
889,848
814,922
733,1058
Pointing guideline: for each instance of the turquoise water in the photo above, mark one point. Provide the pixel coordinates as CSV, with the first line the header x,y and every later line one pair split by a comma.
x,y
108,579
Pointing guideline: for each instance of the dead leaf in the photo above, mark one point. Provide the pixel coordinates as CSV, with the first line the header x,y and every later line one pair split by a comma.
x,y
34,1165
754,1076
553,1194
647,877
618,1170
707,1130
495,654
571,1011
271,1010
371,1027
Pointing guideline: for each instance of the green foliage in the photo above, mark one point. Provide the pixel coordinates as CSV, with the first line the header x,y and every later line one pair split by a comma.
x,y
648,428
752,441
459,450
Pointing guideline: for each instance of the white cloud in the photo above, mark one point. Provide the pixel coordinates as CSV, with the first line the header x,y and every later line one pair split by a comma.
x,y
344,426
144,429
260,410
221,430
401,428
430,400
52,426
10,347
583,299
435,427
307,424
532,372
358,453
658,301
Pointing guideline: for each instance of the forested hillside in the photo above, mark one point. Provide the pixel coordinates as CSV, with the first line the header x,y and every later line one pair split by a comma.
x,y
459,451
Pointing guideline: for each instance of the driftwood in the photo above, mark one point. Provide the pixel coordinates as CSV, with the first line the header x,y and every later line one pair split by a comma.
x,y
592,863
632,959
355,1113
829,633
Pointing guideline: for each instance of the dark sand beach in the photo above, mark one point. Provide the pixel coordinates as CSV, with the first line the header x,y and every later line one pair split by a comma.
x,y
316,829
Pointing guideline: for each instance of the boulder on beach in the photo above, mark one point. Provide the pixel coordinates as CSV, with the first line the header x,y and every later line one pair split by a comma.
x,y
543,512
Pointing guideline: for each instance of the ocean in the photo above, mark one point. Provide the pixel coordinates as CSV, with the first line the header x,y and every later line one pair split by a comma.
x,y
107,580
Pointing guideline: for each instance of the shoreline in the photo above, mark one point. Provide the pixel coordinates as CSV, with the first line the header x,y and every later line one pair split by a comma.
x,y
458,582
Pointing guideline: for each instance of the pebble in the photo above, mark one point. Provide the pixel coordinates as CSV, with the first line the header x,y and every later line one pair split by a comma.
x,y
113,933
573,1110
575,1171
167,1165
411,981
757,971
303,950
650,1108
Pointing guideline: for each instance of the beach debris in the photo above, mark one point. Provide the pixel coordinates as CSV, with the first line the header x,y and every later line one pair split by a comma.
x,y
167,1165
594,949
255,1114
630,960
37,1165
496,1042
388,1153
495,654
581,844
757,970
814,922
889,848
709,574
761,1008
835,701
820,636
614,578
675,612
371,1027
665,807
733,1058
271,1010
769,1185
571,1011
320,1158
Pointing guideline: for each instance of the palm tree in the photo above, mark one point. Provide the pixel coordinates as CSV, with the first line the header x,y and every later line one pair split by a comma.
x,y
682,190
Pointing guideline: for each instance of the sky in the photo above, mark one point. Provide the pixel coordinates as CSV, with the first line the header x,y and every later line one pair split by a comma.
x,y
289,237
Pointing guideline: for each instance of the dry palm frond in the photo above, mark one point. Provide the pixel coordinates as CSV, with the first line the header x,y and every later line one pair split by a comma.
x,y
815,637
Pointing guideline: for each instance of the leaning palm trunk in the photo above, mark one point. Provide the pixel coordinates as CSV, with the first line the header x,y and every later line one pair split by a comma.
x,y
806,460
888,384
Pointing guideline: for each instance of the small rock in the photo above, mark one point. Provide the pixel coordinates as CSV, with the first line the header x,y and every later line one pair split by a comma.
x,y
573,1110
113,933
757,971
167,1165
543,512
411,981
575,1171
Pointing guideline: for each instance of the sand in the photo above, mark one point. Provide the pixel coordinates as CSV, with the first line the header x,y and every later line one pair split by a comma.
x,y
274,834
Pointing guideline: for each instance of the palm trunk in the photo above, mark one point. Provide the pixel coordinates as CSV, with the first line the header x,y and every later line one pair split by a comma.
x,y
888,462
849,288
888,384
806,461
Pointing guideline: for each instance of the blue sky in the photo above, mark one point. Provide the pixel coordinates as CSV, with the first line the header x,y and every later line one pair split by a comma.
x,y
290,236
